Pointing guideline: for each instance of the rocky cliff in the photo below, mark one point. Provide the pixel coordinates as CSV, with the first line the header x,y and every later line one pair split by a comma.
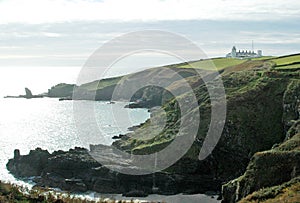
x,y
273,167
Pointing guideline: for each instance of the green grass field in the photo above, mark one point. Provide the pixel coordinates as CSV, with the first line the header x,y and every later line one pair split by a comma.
x,y
293,66
219,63
263,58
99,85
286,60
283,62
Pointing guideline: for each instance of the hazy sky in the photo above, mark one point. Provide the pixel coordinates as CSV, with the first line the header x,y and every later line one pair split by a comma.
x,y
66,32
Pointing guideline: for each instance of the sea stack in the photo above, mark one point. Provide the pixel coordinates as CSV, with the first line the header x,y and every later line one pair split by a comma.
x,y
28,94
17,154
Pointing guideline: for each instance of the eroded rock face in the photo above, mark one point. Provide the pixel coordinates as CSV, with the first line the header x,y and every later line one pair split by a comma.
x,y
291,108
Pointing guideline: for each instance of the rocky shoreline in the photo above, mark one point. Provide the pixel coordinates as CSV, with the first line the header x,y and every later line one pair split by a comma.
x,y
77,171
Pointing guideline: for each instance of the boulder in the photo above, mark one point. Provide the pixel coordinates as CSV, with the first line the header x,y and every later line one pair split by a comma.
x,y
136,193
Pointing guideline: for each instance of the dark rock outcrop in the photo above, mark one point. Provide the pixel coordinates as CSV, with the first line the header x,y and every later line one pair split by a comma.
x,y
28,165
77,171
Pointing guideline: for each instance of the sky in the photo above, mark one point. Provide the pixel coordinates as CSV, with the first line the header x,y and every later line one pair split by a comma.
x,y
64,33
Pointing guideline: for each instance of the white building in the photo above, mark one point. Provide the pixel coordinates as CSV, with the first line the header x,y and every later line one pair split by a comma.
x,y
243,54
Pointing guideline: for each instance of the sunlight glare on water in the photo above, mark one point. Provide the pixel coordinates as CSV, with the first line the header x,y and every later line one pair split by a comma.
x,y
47,123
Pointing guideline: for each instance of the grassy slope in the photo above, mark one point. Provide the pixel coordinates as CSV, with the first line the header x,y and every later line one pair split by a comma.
x,y
291,66
100,85
285,60
219,63
263,58
289,61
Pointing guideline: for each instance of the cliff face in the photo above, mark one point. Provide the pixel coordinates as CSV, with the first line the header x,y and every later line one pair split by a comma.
x,y
276,166
291,109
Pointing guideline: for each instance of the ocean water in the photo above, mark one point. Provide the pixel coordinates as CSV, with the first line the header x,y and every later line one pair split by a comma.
x,y
47,123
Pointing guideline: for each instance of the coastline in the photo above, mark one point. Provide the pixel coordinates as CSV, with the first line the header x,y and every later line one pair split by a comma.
x,y
263,104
